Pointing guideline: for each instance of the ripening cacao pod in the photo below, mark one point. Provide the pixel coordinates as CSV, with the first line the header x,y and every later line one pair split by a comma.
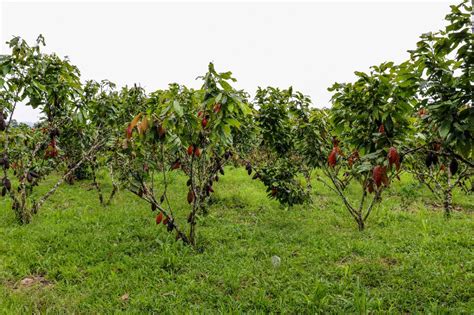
x,y
197,152
382,129
190,149
204,122
159,217
217,108
393,158
128,132
378,174
453,167
332,158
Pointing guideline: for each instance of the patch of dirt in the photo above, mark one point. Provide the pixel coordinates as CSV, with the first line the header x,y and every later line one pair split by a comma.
x,y
33,281
388,261
436,206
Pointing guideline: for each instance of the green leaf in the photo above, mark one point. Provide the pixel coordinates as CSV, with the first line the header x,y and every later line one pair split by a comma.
x,y
177,108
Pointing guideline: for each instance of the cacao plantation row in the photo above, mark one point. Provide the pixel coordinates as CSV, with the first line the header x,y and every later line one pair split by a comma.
x,y
415,117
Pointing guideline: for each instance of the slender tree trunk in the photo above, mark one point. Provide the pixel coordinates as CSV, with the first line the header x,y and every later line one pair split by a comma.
x,y
448,202
96,184
360,222
448,197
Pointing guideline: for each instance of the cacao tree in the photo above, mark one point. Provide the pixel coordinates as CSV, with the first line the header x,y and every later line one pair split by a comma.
x,y
370,121
443,144
282,122
188,131
50,84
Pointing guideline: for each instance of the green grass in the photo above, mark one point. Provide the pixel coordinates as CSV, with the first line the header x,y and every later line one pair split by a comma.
x,y
409,259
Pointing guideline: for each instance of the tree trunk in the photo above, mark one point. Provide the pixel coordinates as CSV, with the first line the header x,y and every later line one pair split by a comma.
x,y
360,223
448,202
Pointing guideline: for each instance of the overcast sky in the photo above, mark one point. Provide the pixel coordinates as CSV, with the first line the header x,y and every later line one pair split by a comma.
x,y
308,45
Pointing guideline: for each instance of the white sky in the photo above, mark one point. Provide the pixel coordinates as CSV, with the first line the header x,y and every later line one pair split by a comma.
x,y
308,45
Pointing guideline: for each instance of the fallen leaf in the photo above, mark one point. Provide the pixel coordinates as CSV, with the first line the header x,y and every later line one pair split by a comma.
x,y
125,297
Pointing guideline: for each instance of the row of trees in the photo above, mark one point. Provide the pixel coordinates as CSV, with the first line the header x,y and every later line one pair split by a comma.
x,y
415,117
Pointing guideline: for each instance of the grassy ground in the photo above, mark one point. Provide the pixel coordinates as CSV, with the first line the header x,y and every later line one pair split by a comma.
x,y
83,258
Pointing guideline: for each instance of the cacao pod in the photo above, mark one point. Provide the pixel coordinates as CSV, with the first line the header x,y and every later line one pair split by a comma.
x,y
159,217
393,158
197,152
382,129
190,149
332,158
169,225
378,174
453,167
190,196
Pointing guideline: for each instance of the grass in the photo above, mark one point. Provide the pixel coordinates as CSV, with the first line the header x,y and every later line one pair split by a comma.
x,y
87,257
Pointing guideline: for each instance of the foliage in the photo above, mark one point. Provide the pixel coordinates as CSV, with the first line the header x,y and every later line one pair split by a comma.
x,y
188,130
289,146
52,85
370,119
443,144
